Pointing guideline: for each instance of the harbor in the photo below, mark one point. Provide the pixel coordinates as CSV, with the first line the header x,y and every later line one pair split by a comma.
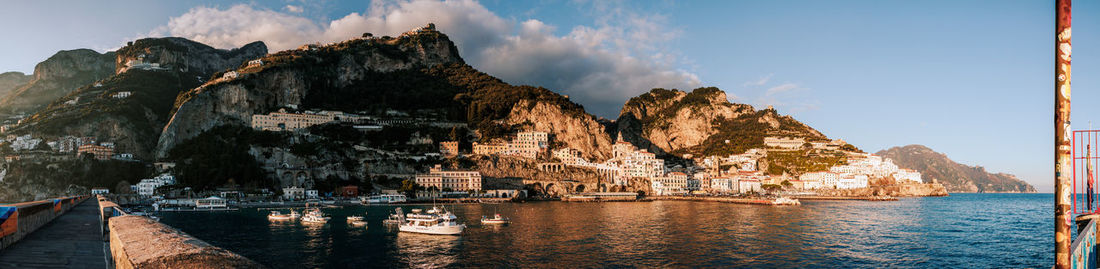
x,y
659,233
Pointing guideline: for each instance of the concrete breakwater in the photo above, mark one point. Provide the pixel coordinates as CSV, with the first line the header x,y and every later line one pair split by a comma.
x,y
20,219
750,201
141,242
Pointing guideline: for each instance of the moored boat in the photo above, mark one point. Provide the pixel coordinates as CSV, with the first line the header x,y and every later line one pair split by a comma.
x,y
434,221
384,199
496,219
356,220
315,216
276,215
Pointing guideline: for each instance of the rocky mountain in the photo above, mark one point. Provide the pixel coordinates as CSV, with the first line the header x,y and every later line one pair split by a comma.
x,y
701,122
183,55
955,176
416,71
57,76
10,80
130,108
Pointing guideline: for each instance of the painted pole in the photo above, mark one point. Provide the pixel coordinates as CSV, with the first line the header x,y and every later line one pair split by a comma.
x,y
1063,158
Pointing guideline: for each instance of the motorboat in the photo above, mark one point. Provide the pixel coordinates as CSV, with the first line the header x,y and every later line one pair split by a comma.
x,y
356,220
276,215
496,219
434,221
315,216
383,199
294,214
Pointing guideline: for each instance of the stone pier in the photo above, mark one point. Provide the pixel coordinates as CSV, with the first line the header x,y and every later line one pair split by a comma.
x,y
71,240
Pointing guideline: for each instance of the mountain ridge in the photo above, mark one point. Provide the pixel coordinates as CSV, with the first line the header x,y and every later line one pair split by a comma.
x,y
955,176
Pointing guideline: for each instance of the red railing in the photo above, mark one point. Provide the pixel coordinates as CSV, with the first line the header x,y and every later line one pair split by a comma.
x,y
1086,171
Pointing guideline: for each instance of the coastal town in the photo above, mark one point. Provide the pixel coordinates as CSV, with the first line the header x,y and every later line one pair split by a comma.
x,y
736,175
440,134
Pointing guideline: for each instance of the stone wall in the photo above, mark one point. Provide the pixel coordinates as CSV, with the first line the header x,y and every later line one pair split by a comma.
x,y
140,242
29,216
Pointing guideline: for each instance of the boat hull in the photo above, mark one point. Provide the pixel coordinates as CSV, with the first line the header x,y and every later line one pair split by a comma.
x,y
440,230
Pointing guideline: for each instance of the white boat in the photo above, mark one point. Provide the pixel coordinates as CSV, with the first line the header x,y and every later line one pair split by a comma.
x,y
434,221
356,220
315,216
496,219
394,219
785,201
294,214
384,199
276,215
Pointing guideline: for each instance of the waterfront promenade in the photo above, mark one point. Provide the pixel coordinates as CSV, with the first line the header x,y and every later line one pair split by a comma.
x,y
72,240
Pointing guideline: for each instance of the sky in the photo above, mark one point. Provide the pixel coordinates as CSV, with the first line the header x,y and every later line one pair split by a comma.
x,y
971,79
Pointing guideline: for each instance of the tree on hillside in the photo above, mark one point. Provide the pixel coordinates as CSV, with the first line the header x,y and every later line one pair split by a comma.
x,y
123,187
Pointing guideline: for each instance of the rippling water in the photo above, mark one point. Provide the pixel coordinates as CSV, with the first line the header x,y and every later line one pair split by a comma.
x,y
963,230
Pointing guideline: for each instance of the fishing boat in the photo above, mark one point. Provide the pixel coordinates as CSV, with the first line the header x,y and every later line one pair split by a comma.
x,y
496,219
315,216
434,221
276,215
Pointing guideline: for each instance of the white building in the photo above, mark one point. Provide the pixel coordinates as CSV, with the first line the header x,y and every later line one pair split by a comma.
x,y
748,185
528,144
24,142
312,194
453,180
852,181
97,191
230,75
147,187
907,175
673,183
784,142
723,185
294,193
815,180
121,95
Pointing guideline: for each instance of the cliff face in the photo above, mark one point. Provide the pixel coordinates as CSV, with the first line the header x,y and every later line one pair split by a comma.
x,y
134,123
288,78
183,55
10,80
677,122
955,176
57,76
582,132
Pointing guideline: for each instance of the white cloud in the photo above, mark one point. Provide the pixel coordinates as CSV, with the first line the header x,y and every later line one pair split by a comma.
x,y
239,25
599,66
785,87
759,82
293,9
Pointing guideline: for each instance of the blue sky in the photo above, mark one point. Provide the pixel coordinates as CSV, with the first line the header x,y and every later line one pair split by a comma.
x,y
972,79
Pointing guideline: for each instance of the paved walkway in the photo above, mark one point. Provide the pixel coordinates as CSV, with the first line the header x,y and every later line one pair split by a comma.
x,y
72,240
